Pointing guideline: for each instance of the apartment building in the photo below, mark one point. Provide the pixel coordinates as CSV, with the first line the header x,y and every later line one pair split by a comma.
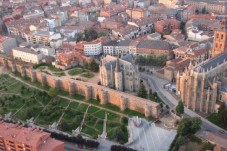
x,y
45,38
197,52
27,55
17,138
19,27
53,22
115,48
93,48
208,6
136,28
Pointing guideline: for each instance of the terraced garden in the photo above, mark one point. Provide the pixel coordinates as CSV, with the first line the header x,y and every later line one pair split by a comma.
x,y
25,103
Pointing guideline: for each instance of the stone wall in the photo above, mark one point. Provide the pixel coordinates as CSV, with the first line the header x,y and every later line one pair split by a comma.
x,y
89,90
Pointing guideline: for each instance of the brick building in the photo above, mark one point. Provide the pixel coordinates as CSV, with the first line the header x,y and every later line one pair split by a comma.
x,y
70,55
156,48
166,26
137,13
18,138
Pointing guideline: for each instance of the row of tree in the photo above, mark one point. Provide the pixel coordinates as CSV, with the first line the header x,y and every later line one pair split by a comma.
x,y
186,129
88,35
151,60
120,148
79,140
189,126
222,114
93,66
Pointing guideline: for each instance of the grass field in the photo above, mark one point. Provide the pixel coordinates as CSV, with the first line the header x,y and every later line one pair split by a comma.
x,y
75,71
88,75
25,102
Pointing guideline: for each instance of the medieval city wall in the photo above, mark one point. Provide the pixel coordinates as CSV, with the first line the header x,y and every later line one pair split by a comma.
x,y
89,90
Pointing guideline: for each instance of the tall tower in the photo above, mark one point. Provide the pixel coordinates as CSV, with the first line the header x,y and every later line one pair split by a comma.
x,y
220,40
118,77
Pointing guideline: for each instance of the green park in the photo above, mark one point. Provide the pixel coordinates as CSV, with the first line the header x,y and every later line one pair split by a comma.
x,y
25,101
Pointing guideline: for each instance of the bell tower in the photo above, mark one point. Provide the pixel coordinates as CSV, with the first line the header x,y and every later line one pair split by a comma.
x,y
220,40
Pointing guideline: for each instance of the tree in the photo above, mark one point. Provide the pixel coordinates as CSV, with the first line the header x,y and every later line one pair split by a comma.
x,y
189,126
180,108
120,136
195,124
79,37
142,91
94,66
101,34
183,127
64,126
90,34
150,94
222,113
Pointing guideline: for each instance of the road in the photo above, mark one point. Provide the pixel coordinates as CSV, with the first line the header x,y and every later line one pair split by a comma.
x,y
157,85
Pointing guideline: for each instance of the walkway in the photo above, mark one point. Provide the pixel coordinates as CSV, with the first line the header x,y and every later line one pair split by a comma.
x,y
82,123
62,115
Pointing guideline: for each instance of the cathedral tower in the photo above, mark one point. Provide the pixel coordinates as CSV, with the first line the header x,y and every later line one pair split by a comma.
x,y
220,40
118,77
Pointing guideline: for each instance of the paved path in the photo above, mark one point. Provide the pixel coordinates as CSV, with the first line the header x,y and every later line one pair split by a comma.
x,y
62,115
82,123
172,102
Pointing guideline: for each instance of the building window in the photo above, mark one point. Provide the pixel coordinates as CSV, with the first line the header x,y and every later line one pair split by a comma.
x,y
217,36
220,46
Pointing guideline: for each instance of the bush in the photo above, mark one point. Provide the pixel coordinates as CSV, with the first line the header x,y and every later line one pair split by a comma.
x,y
124,120
120,148
195,139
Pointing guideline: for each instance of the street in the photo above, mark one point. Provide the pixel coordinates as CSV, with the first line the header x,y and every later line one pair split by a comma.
x,y
157,85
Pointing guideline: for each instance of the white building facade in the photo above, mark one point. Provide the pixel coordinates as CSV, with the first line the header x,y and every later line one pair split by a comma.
x,y
27,55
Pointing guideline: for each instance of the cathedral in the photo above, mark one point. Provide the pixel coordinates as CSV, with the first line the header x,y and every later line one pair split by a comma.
x,y
119,73
200,87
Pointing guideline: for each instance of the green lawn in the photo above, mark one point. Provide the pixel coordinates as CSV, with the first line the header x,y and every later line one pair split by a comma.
x,y
59,74
52,68
100,114
78,97
93,109
82,107
88,75
73,105
63,102
76,71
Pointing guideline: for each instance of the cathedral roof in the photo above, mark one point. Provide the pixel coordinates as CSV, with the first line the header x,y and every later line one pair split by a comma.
x,y
212,63
111,62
